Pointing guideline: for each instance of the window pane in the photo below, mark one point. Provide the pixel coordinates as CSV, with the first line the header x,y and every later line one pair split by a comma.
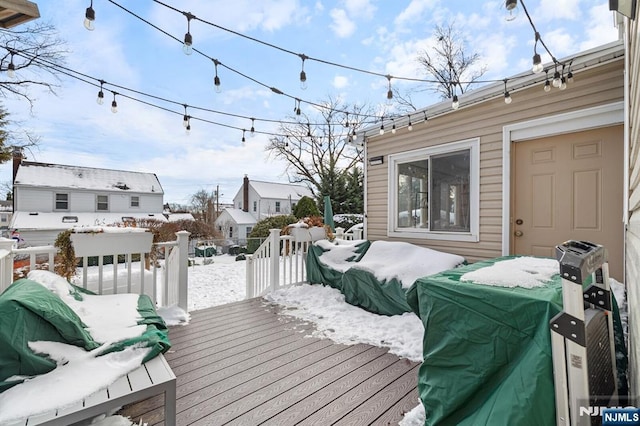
x,y
103,202
62,201
135,201
277,206
450,179
413,196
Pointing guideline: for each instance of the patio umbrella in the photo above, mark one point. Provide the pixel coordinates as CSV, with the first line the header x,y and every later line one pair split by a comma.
x,y
328,213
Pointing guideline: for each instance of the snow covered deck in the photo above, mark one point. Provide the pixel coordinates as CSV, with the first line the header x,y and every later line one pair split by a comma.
x,y
244,364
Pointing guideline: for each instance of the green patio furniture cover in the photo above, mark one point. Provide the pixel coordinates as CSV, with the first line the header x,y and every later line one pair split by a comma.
x,y
31,312
319,273
487,350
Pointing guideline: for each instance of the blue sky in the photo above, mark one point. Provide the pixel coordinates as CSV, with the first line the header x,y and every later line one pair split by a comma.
x,y
380,36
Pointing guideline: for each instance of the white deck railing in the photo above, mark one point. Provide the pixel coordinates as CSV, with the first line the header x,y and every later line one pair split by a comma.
x,y
279,262
166,282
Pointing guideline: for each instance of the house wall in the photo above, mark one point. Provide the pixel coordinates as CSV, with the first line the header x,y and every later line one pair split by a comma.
x,y
633,229
43,200
592,87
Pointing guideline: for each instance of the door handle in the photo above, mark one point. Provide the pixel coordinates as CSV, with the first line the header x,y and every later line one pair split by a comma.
x,y
518,233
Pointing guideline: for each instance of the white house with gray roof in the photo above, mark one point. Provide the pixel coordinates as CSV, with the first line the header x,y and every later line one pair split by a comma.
x,y
257,200
50,198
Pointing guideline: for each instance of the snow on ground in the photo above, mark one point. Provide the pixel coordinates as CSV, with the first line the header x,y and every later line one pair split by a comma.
x,y
222,281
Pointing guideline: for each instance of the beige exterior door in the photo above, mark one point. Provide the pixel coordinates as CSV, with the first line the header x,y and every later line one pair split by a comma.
x,y
569,187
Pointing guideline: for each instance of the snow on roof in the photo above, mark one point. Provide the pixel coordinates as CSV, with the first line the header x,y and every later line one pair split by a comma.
x,y
61,176
241,217
280,190
44,221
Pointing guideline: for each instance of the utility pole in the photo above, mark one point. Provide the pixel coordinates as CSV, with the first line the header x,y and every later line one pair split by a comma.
x,y
217,201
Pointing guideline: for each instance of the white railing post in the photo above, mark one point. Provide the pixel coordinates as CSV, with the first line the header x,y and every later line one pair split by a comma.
x,y
183,268
339,234
6,267
274,254
250,279
357,234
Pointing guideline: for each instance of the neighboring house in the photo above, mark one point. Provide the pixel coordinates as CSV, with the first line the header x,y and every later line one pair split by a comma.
x,y
235,224
6,211
50,198
493,179
255,201
175,217
266,199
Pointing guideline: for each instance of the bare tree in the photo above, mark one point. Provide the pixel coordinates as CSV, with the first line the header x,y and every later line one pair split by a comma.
x,y
317,149
202,204
34,48
449,63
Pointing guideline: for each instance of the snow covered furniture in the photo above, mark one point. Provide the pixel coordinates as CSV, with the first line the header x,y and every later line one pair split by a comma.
x,y
375,275
124,333
150,379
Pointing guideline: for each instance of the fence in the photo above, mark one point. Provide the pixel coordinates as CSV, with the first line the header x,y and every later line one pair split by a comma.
x,y
165,281
280,261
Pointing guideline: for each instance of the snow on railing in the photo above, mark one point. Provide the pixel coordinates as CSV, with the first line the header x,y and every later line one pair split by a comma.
x,y
280,261
131,276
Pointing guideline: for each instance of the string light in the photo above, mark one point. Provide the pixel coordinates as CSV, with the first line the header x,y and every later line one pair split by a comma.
x,y
296,107
243,139
537,60
507,96
185,118
252,132
389,92
409,126
89,17
354,135
547,83
512,9
216,79
382,126
556,79
393,127
114,104
188,39
11,68
303,75
187,128
100,98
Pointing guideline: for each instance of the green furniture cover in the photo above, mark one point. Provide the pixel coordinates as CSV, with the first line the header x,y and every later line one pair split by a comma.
x,y
31,312
487,350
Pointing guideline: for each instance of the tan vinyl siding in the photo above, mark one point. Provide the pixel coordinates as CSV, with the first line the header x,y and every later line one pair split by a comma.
x,y
632,264
598,85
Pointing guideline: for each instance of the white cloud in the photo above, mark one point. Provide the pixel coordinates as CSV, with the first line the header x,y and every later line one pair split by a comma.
x,y
360,8
549,10
414,11
342,26
340,82
600,28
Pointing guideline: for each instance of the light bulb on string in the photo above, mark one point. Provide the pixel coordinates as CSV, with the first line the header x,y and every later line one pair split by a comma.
x,y
393,127
11,69
455,103
252,132
547,83
188,39
556,79
185,118
303,74
410,126
114,104
100,98
507,96
389,91
382,129
512,10
243,139
537,64
563,83
569,76
89,17
354,135
216,79
187,128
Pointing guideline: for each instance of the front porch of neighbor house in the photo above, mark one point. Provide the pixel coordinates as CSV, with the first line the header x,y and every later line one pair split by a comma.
x,y
244,364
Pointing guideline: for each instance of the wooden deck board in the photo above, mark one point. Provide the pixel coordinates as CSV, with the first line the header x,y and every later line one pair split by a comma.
x,y
244,364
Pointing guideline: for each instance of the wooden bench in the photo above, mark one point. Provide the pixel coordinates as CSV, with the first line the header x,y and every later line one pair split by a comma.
x,y
150,379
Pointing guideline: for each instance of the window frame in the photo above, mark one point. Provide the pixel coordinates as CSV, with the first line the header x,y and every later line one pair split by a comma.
x,y
131,198
55,201
98,209
394,160
278,207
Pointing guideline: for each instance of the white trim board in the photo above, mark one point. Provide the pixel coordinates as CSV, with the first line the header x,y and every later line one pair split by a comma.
x,y
584,119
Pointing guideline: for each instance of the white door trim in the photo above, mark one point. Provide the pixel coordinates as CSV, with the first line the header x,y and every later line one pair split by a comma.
x,y
584,119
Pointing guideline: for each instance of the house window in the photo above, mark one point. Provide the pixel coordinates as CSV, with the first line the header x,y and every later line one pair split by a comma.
x,y
102,203
249,231
62,201
3,218
135,201
277,206
231,232
255,206
435,192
